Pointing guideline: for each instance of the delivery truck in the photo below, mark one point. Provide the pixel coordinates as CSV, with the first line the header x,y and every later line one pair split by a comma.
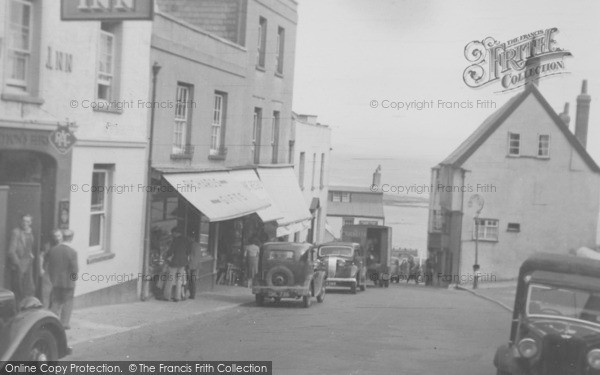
x,y
376,241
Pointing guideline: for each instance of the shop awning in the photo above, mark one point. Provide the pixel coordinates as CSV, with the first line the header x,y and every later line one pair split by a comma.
x,y
220,195
249,178
282,186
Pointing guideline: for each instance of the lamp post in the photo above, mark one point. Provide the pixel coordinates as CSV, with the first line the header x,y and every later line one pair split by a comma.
x,y
476,203
148,222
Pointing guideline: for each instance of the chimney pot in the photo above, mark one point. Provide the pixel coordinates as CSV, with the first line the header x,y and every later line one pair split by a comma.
x,y
582,115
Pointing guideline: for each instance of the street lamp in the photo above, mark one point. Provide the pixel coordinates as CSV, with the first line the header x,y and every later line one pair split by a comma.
x,y
148,222
476,201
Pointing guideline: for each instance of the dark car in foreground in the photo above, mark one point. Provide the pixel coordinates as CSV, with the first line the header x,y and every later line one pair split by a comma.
x,y
345,265
28,332
556,319
288,270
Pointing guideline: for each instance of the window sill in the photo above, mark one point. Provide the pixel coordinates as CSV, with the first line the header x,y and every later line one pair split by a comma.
x,y
100,257
261,68
108,110
277,74
181,157
513,231
485,240
513,156
22,98
217,156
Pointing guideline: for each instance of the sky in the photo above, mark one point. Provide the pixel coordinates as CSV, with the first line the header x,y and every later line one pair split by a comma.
x,y
350,53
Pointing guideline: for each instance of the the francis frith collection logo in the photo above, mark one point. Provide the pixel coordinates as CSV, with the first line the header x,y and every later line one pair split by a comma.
x,y
515,62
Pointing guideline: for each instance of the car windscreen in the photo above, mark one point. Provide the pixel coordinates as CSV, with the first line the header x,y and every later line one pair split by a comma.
x,y
547,300
281,254
343,251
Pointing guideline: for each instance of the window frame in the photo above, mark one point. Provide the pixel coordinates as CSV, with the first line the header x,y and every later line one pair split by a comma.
x,y
540,148
280,52
99,81
275,137
218,148
516,227
301,169
511,146
261,47
257,133
26,84
181,123
346,219
103,212
322,172
487,229
314,172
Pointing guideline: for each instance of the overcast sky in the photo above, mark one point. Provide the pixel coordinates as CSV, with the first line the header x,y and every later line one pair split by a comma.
x,y
350,52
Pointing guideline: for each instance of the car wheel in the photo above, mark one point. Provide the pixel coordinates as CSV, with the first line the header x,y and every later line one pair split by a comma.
x,y
306,300
260,299
321,296
38,346
280,276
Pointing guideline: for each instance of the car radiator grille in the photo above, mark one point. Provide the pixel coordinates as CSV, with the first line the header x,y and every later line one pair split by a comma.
x,y
563,356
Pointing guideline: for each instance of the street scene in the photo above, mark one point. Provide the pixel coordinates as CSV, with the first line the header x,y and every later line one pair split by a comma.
x,y
299,187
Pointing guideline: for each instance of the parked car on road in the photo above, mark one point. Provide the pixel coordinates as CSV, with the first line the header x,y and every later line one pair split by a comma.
x,y
556,318
345,265
288,270
29,333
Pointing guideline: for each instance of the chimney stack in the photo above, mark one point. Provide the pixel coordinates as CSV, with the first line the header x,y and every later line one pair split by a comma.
x,y
564,116
582,115
377,177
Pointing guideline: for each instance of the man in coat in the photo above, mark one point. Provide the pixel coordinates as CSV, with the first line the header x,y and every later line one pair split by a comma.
x,y
194,266
63,269
20,255
177,259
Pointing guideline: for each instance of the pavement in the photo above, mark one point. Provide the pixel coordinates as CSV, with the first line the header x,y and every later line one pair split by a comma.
x,y
502,293
96,322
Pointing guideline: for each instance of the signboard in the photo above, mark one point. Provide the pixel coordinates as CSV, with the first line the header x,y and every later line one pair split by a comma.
x,y
62,139
106,10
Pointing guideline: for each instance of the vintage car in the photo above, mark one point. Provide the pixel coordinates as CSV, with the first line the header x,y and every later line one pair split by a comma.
x,y
556,320
31,333
345,265
288,270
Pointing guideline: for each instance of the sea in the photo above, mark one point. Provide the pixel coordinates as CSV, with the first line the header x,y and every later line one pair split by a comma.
x,y
406,187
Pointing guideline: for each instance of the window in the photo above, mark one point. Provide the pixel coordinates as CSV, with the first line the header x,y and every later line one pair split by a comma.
x,y
488,230
348,221
514,143
513,227
19,44
314,168
99,209
182,120
275,137
322,176
437,224
261,43
106,63
544,145
256,134
301,170
280,50
291,144
338,196
217,136
367,222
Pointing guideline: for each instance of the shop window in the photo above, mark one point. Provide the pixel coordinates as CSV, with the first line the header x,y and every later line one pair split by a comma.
x,y
99,209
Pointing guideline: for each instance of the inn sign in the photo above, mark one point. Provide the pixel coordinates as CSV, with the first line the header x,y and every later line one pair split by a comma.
x,y
63,139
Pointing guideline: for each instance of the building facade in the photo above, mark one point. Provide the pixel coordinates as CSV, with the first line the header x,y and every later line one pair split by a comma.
x,y
76,75
221,140
524,180
311,146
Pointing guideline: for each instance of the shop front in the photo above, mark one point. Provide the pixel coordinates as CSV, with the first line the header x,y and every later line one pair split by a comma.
x,y
215,209
34,180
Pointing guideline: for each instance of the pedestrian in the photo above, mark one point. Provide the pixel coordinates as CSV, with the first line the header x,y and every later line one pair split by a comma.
x,y
20,255
46,283
251,255
63,269
177,258
194,266
411,269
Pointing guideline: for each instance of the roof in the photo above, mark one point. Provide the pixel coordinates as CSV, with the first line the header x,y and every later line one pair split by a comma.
x,y
355,209
493,122
561,264
354,189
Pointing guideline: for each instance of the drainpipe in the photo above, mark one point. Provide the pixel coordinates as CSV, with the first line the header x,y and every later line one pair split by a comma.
x,y
148,226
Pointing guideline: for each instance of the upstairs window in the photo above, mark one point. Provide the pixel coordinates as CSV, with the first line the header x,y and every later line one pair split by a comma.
x,y
488,230
182,119
261,43
514,144
217,136
301,167
280,50
544,146
338,196
19,44
106,63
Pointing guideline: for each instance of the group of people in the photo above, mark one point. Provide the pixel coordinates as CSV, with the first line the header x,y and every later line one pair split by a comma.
x,y
58,266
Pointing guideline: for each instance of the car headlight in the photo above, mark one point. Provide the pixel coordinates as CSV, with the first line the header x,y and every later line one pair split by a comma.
x,y
528,347
593,358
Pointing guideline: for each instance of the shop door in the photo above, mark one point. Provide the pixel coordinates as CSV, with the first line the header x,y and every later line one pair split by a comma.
x,y
23,198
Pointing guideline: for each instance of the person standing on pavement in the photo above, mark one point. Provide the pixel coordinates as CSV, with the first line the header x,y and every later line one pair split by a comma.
x,y
194,266
63,269
177,258
46,284
20,255
251,255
